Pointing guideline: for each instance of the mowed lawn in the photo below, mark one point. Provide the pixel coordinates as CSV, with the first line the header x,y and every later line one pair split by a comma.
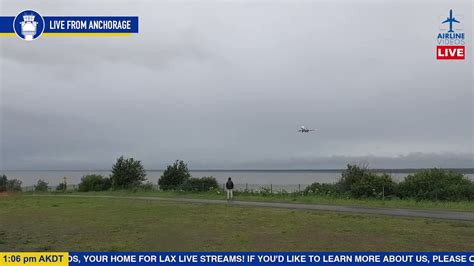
x,y
31,223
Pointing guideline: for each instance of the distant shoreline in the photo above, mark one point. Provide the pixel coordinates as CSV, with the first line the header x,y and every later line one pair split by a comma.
x,y
384,170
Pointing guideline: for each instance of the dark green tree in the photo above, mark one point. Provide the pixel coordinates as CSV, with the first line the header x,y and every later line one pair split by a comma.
x,y
3,183
360,182
41,185
14,185
174,176
127,173
352,175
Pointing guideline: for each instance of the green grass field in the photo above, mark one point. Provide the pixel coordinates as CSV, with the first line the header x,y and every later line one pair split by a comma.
x,y
101,224
309,199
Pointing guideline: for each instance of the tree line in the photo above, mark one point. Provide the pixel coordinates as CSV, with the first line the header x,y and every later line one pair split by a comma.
x,y
357,181
9,185
429,184
128,173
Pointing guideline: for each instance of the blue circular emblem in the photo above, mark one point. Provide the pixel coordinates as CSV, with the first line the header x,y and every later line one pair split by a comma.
x,y
28,25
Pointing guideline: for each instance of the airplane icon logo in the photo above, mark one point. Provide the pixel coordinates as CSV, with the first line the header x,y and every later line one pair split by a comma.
x,y
450,19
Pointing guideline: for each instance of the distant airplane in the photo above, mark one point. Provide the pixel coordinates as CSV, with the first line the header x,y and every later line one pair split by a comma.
x,y
303,129
450,19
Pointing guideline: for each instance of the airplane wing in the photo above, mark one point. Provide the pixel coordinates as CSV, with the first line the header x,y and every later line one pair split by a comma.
x,y
447,20
454,20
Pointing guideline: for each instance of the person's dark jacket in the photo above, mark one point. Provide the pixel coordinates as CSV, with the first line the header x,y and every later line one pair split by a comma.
x,y
229,184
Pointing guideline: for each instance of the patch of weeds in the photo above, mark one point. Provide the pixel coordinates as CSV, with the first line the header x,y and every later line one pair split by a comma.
x,y
461,224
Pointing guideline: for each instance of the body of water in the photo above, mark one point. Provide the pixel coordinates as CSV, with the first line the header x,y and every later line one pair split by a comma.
x,y
290,180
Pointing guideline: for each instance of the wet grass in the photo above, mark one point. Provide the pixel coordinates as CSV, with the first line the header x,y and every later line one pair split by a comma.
x,y
110,224
308,199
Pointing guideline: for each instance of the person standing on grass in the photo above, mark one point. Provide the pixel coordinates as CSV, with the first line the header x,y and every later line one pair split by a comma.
x,y
229,186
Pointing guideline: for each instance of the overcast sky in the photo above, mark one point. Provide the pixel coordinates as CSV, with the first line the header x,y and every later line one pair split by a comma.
x,y
226,84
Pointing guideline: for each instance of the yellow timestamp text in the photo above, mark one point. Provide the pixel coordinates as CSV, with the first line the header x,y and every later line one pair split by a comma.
x,y
34,258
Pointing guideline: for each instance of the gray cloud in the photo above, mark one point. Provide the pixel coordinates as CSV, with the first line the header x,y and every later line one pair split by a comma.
x,y
227,84
411,160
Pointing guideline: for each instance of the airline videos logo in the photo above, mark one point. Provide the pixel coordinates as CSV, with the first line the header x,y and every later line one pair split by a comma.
x,y
452,41
29,25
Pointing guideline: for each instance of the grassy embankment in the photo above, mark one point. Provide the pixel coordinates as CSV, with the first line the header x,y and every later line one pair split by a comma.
x,y
102,224
309,199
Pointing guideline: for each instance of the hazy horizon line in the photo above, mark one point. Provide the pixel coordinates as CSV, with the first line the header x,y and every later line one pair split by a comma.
x,y
470,169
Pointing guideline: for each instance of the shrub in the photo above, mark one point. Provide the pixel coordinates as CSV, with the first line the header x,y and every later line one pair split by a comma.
x,y
146,186
360,182
13,185
41,185
199,184
61,187
174,176
94,183
127,173
209,183
373,185
353,174
436,184
322,189
3,183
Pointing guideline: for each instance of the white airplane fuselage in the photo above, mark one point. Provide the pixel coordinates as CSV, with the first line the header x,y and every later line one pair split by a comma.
x,y
303,129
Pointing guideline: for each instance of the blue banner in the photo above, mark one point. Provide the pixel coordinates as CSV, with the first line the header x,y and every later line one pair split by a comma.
x,y
6,24
91,24
280,258
29,25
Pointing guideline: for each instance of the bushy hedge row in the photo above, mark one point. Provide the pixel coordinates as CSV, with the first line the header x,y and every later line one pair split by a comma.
x,y
41,186
94,183
199,184
432,184
360,182
12,185
322,189
127,173
436,184
177,177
